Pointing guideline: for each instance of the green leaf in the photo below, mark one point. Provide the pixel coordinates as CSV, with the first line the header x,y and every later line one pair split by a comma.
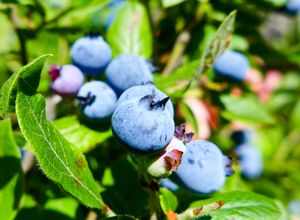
x,y
168,200
295,116
121,217
170,3
215,48
11,181
84,137
238,205
60,160
246,108
27,73
169,84
130,32
66,207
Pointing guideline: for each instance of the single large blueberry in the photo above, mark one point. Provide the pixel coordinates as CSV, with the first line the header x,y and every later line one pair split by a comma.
x,y
143,90
96,100
293,6
231,64
251,161
143,125
202,167
66,80
126,71
91,54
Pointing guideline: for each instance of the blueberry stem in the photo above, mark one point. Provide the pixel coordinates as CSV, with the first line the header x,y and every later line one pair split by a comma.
x,y
85,101
151,187
159,104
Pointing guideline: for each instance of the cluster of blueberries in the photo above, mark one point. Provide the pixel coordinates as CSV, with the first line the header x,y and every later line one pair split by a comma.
x,y
250,158
141,115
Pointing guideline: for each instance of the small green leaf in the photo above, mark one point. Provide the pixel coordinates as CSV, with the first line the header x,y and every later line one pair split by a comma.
x,y
130,32
11,181
60,160
246,108
238,205
82,136
27,73
215,48
168,200
170,3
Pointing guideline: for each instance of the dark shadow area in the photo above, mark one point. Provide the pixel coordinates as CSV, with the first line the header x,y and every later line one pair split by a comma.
x,y
126,195
11,167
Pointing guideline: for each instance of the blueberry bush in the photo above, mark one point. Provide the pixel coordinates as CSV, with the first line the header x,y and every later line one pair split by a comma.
x,y
149,109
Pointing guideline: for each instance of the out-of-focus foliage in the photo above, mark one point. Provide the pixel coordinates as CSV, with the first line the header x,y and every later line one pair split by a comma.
x,y
177,36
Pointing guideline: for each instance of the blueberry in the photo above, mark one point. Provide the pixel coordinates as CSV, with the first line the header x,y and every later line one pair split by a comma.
x,y
294,207
66,80
142,90
96,100
143,125
126,71
293,6
231,64
242,136
202,167
113,7
169,184
251,161
91,54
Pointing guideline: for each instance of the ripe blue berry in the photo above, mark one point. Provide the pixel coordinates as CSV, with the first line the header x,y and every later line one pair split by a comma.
x,y
91,54
143,125
231,64
142,90
126,71
66,80
96,100
202,167
251,161
293,6
169,184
